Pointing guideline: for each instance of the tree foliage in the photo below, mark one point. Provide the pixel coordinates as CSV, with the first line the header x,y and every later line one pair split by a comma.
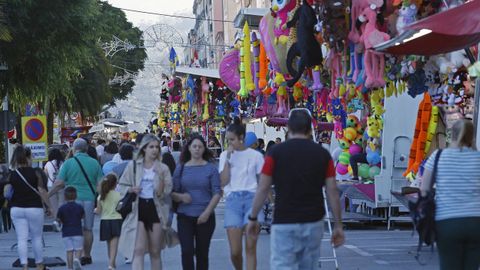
x,y
55,58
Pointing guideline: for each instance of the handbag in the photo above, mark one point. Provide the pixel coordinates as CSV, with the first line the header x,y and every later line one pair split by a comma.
x,y
95,195
124,206
423,212
174,203
171,237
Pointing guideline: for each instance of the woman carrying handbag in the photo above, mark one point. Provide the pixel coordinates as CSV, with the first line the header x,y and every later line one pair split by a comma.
x,y
457,193
28,200
143,229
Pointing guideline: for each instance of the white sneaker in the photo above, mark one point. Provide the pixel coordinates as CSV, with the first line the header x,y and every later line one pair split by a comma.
x,y
56,226
76,264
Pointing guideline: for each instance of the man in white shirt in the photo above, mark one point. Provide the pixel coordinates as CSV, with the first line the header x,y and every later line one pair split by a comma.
x,y
100,147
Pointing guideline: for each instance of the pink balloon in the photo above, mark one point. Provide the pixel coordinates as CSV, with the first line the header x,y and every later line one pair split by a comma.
x,y
355,149
342,169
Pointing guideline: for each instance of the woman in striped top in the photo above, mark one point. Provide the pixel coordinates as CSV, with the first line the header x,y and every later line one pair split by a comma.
x,y
457,199
196,187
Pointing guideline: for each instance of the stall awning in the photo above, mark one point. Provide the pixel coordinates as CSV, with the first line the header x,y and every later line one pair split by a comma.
x,y
451,30
250,15
206,72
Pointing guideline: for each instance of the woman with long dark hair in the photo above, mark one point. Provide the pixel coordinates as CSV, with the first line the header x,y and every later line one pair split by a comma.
x,y
143,229
197,190
29,195
240,169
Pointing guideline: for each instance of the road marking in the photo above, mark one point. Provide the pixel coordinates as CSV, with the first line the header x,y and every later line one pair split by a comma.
x,y
358,251
381,262
218,239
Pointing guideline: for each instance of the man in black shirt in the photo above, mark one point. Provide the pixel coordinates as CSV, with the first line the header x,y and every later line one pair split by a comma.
x,y
298,169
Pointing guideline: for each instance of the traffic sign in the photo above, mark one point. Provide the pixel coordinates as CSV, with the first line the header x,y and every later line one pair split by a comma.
x,y
34,136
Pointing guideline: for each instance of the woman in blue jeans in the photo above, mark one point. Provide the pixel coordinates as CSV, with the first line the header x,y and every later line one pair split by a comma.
x,y
240,168
457,214
196,187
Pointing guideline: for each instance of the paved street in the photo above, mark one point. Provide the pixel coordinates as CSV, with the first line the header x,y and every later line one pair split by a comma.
x,y
370,249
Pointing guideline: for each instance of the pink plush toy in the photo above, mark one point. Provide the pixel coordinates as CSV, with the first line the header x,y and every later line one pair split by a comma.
x,y
374,61
281,8
205,88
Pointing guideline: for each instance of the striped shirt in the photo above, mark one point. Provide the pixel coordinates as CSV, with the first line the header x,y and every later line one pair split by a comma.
x,y
457,183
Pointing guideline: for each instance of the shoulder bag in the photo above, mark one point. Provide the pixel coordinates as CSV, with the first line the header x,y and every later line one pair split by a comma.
x,y
174,203
124,206
423,212
88,181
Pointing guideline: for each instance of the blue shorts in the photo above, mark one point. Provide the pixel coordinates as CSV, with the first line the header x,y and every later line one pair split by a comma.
x,y
238,205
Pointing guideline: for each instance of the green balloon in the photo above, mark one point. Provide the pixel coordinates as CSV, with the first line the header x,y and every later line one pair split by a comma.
x,y
344,158
363,170
374,170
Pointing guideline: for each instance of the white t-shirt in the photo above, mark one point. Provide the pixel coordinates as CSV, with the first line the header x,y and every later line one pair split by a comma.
x,y
100,150
52,169
147,184
244,168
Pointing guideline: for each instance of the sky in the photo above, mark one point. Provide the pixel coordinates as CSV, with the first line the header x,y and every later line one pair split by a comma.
x,y
144,99
159,6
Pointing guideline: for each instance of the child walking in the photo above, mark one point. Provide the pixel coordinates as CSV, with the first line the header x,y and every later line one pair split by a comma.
x,y
111,220
70,216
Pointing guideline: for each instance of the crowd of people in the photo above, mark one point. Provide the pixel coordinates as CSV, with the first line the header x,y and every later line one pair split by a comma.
x,y
167,180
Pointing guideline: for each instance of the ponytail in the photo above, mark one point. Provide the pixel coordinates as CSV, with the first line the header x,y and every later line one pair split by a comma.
x,y
108,183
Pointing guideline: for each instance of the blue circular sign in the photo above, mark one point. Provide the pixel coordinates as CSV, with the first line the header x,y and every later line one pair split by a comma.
x,y
34,129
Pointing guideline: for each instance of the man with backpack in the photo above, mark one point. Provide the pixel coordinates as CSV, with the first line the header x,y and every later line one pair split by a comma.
x,y
84,174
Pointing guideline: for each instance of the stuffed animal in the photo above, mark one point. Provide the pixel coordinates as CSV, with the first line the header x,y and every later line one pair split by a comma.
x,y
416,83
256,55
407,15
263,66
306,47
235,104
281,8
374,61
373,129
205,88
276,53
281,93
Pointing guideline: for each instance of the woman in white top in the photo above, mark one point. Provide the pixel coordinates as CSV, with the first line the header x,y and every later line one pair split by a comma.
x,y
51,169
240,168
457,199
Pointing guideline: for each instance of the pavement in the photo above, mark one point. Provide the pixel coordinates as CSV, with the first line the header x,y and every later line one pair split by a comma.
x,y
369,248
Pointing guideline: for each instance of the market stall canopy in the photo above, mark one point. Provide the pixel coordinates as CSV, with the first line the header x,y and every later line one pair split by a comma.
x,y
250,15
450,30
206,72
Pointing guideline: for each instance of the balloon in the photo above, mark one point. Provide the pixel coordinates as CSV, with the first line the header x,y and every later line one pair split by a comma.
x,y
344,158
355,149
373,158
364,170
342,169
350,134
336,154
374,171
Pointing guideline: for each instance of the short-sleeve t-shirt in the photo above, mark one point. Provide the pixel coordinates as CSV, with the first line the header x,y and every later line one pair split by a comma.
x,y
109,204
52,168
457,192
71,214
244,167
299,168
201,182
72,175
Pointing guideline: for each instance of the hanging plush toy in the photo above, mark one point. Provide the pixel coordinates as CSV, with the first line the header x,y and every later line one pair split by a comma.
x,y
235,104
263,65
243,83
406,15
280,9
374,61
281,94
247,59
205,89
256,55
306,47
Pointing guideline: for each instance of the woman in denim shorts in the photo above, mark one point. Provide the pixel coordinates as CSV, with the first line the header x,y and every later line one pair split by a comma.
x,y
239,168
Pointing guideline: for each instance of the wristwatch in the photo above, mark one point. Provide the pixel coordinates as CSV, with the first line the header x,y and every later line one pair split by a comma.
x,y
252,218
